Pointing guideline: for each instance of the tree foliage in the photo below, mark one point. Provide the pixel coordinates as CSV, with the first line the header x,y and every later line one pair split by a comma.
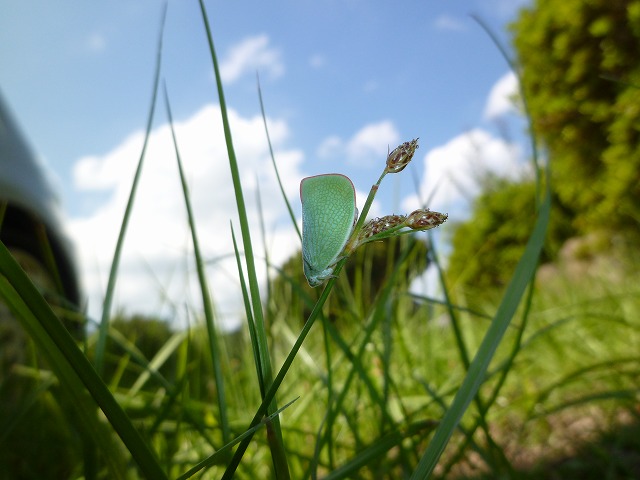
x,y
580,70
580,66
486,248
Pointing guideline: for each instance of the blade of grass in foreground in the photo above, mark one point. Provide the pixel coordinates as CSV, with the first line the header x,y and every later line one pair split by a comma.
x,y
225,450
71,365
204,290
522,275
113,273
524,272
276,443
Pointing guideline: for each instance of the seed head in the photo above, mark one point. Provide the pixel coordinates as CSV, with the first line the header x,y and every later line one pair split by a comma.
x,y
401,156
424,219
378,225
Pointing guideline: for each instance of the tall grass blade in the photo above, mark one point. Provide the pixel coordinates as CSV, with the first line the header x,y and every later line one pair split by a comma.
x,y
271,392
275,165
113,273
275,441
71,366
253,335
224,451
522,275
204,290
498,458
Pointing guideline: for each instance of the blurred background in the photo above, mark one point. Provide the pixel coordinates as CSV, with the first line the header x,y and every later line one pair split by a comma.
x,y
342,84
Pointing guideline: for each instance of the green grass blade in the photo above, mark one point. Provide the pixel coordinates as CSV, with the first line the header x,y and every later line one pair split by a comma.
x,y
522,275
113,273
377,449
275,442
224,451
498,457
275,165
242,213
263,237
204,290
270,394
71,365
253,335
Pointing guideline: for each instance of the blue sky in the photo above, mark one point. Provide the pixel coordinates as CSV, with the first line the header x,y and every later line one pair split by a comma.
x,y
342,81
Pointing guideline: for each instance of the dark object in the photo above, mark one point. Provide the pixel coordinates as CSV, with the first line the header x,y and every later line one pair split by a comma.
x,y
30,220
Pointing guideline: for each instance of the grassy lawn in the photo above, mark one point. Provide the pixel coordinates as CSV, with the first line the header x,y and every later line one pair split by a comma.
x,y
539,382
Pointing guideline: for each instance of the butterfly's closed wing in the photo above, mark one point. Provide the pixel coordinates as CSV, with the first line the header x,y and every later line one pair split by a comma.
x,y
328,215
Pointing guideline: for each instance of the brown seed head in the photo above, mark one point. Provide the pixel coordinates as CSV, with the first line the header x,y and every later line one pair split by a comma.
x,y
378,225
424,219
401,156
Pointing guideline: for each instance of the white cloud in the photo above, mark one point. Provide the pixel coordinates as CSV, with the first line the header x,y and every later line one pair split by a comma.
x,y
251,55
368,145
331,147
453,170
373,141
502,97
157,267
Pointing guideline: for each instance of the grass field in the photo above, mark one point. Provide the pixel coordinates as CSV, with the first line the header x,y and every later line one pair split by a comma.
x,y
542,383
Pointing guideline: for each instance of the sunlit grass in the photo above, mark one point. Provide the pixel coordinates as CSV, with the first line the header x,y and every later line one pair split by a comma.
x,y
379,384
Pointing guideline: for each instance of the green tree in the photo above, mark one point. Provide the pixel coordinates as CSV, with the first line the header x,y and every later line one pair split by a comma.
x,y
580,65
486,248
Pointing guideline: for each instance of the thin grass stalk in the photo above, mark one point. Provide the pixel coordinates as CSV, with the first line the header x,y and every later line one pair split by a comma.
x,y
464,355
357,368
222,453
276,443
277,381
253,335
263,237
330,387
113,272
273,162
212,331
535,157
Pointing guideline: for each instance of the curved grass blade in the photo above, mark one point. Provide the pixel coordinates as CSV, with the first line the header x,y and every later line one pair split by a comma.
x,y
275,166
113,273
276,443
522,275
204,290
72,367
225,450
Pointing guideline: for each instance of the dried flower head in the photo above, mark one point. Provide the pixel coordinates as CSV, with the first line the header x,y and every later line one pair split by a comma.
x,y
379,225
424,219
401,156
